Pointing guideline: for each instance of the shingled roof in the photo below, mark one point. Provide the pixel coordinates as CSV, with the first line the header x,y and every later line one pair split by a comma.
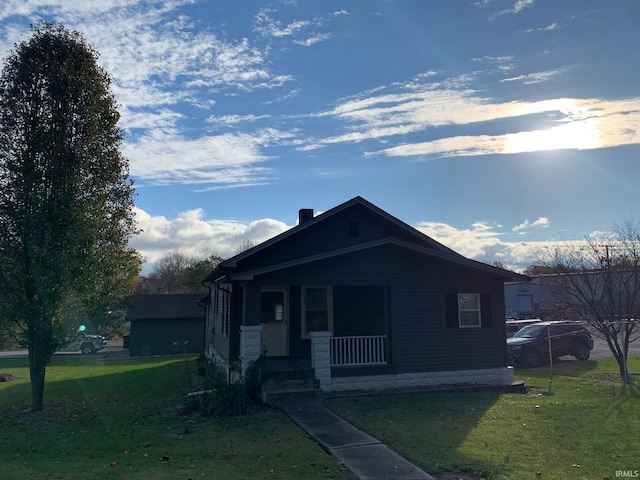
x,y
171,306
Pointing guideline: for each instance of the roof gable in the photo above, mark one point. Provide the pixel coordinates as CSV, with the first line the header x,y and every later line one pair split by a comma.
x,y
170,306
328,234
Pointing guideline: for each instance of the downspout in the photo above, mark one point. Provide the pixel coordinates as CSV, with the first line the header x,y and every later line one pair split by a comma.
x,y
206,316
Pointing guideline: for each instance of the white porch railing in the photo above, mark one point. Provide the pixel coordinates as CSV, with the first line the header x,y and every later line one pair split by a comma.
x,y
357,351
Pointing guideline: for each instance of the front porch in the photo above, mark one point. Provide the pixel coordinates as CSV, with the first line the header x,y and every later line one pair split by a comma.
x,y
347,356
354,363
327,353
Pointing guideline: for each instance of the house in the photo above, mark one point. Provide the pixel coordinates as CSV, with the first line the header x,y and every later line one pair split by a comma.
x,y
166,324
360,300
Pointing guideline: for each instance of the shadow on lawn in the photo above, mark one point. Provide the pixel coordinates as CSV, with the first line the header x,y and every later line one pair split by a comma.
x,y
441,422
96,382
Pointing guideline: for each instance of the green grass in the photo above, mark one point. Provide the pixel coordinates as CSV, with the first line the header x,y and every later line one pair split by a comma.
x,y
582,425
125,419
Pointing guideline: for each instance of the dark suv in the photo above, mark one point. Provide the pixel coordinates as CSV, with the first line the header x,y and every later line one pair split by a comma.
x,y
530,345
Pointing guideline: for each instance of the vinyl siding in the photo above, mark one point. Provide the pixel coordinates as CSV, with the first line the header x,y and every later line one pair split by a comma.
x,y
418,334
329,235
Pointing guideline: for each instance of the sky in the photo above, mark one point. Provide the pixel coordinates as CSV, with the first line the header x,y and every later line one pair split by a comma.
x,y
496,127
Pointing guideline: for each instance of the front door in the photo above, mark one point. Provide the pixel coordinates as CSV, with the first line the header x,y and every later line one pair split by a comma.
x,y
275,322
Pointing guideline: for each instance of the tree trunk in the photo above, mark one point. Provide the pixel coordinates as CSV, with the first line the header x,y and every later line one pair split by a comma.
x,y
38,359
622,366
619,352
624,372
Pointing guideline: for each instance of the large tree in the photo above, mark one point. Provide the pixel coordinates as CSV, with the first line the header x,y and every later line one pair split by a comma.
x,y
66,198
600,279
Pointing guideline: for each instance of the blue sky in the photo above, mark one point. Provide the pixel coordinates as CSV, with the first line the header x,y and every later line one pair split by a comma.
x,y
493,126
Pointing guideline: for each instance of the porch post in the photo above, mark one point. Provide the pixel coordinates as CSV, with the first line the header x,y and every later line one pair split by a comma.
x,y
250,344
321,357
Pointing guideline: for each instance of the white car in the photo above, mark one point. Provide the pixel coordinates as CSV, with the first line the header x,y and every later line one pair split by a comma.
x,y
87,344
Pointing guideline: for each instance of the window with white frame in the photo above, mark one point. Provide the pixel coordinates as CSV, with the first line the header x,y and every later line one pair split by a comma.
x,y
469,310
317,310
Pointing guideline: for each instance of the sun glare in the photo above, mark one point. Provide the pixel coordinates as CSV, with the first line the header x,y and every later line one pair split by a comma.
x,y
582,134
579,131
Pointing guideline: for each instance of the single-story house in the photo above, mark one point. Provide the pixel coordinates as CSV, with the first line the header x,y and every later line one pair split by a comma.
x,y
358,299
166,324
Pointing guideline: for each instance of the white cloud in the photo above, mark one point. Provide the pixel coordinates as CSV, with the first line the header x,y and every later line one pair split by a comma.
x,y
541,222
300,31
483,243
163,158
517,7
228,120
418,106
192,233
521,5
532,78
320,37
548,28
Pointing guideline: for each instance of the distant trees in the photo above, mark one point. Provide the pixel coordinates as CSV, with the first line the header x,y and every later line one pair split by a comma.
x,y
66,199
178,272
245,245
601,279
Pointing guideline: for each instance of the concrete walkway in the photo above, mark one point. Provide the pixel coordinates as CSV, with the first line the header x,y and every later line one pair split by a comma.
x,y
364,455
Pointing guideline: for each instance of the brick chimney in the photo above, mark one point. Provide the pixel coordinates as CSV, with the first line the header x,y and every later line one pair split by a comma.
x,y
304,215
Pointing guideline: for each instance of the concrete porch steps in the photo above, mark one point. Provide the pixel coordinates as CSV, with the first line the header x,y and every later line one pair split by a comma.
x,y
274,392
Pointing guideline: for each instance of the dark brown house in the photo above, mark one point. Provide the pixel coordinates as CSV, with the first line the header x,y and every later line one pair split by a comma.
x,y
360,300
166,324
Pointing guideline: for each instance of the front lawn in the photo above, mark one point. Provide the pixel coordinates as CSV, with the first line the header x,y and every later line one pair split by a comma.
x,y
582,425
124,420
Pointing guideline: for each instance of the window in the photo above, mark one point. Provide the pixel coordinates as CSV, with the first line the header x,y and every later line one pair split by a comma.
x,y
468,310
272,307
317,311
223,307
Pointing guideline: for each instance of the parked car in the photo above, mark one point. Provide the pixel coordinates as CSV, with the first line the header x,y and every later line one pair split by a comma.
x,y
514,325
529,346
84,343
87,344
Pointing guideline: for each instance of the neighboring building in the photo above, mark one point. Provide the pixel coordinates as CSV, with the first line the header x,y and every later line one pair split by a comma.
x,y
166,324
535,299
522,299
360,300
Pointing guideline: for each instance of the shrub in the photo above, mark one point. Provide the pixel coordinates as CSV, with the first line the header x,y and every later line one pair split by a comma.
x,y
221,397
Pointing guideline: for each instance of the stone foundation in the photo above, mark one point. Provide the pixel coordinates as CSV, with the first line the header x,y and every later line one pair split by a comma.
x,y
494,376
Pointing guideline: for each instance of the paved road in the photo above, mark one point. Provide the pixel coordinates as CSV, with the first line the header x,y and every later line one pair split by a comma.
x,y
600,350
112,347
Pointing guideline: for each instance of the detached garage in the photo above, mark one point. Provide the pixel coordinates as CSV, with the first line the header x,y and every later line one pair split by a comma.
x,y
166,325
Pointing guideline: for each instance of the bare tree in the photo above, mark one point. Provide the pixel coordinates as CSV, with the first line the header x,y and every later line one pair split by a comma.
x,y
168,272
179,272
245,245
601,279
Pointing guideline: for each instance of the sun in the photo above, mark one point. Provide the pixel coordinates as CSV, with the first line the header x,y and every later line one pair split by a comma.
x,y
580,134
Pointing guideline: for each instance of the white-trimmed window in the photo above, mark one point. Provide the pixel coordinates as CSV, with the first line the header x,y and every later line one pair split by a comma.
x,y
317,309
469,310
